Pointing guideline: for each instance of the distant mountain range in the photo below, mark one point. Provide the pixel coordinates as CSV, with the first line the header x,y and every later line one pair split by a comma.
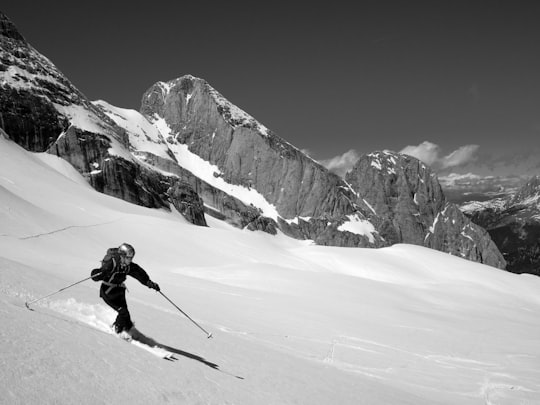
x,y
190,149
514,225
469,187
490,176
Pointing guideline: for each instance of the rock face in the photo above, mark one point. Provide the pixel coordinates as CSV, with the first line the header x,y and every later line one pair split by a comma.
x,y
407,197
454,233
8,30
514,226
402,191
187,202
191,113
246,152
42,111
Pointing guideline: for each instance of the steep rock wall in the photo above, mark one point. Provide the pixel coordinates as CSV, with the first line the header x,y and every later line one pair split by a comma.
x,y
407,197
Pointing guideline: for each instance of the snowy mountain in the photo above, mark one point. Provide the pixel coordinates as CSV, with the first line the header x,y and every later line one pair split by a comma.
x,y
192,150
292,322
42,111
122,154
514,225
247,161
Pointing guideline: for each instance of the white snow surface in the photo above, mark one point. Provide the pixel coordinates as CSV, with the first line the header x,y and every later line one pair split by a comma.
x,y
359,226
18,78
143,136
292,322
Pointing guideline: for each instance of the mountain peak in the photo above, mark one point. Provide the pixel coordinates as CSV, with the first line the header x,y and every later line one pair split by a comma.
x,y
185,82
8,29
388,161
189,93
529,194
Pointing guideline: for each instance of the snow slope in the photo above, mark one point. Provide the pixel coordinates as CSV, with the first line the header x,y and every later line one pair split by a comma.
x,y
292,322
143,136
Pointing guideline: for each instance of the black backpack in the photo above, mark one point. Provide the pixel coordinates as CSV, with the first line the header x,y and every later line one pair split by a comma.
x,y
111,257
109,262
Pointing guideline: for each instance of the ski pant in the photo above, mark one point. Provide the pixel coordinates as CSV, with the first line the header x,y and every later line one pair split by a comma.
x,y
116,299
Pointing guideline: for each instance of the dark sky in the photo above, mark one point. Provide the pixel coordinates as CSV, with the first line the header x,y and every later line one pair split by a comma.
x,y
375,75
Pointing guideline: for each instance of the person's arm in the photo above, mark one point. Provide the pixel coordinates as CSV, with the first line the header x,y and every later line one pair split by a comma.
x,y
142,276
103,272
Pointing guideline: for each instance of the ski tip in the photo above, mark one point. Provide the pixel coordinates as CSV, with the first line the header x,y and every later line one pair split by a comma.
x,y
209,336
28,306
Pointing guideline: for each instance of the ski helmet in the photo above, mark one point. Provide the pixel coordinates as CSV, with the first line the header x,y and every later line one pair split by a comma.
x,y
126,249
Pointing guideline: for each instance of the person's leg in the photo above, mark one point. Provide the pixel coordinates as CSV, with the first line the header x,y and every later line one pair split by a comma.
x,y
117,301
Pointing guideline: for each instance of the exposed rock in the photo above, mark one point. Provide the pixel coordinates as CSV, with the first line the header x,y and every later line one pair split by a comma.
x,y
217,203
263,224
8,29
84,150
42,111
35,125
248,154
528,197
187,202
514,226
402,191
407,197
454,233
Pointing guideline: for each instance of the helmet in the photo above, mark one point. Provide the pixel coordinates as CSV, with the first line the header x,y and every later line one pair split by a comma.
x,y
126,249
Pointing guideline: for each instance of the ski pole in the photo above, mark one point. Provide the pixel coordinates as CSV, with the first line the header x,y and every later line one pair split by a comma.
x,y
208,335
56,292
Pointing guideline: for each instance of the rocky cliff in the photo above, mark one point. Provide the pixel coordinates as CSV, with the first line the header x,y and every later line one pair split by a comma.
x,y
42,111
302,198
408,200
246,152
514,226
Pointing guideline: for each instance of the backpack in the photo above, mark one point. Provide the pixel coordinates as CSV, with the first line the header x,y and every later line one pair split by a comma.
x,y
112,257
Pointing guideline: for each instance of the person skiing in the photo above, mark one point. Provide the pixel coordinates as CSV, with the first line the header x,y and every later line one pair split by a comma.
x,y
115,267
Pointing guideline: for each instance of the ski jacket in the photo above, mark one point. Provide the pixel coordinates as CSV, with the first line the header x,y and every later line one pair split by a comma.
x,y
114,274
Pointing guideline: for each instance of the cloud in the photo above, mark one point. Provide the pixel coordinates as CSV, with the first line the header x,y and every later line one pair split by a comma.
x,y
429,153
461,156
343,163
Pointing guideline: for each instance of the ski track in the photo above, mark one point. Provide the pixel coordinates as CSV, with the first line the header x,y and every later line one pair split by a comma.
x,y
101,317
333,352
64,229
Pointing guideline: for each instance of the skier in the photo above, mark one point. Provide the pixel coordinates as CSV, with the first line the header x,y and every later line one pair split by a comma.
x,y
115,267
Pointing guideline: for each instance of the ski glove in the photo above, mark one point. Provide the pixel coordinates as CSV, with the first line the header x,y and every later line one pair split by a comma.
x,y
97,275
152,285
